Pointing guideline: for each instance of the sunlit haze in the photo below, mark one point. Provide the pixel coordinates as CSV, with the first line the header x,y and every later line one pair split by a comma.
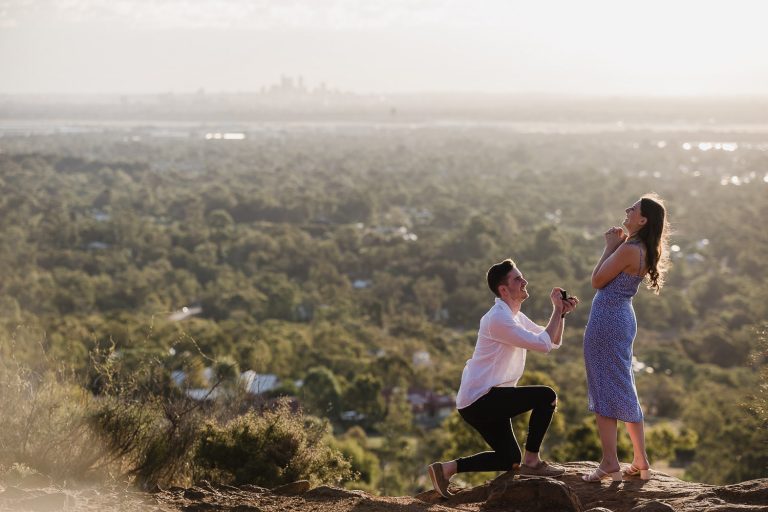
x,y
393,46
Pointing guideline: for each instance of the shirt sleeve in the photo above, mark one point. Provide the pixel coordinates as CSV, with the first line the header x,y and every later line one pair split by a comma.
x,y
536,328
509,332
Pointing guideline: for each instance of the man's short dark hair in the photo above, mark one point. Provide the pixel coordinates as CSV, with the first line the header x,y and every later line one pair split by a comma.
x,y
498,273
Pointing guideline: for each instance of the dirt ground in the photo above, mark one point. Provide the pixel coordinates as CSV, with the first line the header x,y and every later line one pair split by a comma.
x,y
509,491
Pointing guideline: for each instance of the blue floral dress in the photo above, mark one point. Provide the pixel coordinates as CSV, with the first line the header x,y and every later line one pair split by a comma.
x,y
608,340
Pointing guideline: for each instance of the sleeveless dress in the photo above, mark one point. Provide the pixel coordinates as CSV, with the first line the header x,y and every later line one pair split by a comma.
x,y
608,340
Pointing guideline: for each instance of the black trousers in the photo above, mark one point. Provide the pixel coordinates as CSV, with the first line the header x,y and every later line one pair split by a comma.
x,y
491,415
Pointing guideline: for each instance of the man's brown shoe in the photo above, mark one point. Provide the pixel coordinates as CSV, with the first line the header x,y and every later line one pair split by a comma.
x,y
542,469
439,482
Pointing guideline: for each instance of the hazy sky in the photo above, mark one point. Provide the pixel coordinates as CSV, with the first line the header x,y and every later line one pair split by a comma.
x,y
676,47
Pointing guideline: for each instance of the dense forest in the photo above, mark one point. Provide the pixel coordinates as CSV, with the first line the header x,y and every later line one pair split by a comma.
x,y
349,262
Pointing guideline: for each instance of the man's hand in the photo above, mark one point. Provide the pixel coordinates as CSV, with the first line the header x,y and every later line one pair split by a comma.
x,y
569,304
557,299
562,306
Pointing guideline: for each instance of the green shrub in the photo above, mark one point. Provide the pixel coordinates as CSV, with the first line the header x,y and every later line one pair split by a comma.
x,y
43,424
153,438
364,464
268,449
661,442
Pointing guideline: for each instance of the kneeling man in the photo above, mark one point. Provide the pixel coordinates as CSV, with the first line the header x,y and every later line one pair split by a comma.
x,y
488,396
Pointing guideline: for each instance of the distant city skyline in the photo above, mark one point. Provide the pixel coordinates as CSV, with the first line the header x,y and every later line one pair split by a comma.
x,y
653,48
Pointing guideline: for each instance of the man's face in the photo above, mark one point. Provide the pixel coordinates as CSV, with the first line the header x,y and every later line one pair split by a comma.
x,y
514,289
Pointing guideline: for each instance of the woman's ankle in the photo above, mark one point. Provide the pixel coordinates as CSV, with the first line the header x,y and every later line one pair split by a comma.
x,y
641,463
610,466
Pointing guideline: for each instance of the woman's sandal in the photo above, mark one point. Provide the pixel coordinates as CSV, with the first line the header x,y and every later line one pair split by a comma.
x,y
598,475
632,470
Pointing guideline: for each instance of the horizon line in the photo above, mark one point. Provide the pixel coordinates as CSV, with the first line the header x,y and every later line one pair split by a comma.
x,y
373,94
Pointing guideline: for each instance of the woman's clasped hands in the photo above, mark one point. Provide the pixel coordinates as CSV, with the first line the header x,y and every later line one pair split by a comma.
x,y
614,237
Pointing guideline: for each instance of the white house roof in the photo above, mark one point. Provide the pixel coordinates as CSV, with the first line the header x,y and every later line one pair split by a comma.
x,y
257,383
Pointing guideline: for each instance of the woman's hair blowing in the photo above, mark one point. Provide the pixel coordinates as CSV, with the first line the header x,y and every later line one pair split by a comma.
x,y
655,236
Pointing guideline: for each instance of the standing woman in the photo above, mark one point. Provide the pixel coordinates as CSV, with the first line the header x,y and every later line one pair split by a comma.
x,y
627,259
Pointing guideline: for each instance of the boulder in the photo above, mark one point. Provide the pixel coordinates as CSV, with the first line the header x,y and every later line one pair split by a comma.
x,y
532,494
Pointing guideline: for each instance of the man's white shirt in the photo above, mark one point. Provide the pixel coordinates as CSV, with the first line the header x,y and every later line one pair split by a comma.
x,y
499,357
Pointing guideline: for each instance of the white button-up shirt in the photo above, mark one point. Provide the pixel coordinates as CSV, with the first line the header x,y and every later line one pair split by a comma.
x,y
499,358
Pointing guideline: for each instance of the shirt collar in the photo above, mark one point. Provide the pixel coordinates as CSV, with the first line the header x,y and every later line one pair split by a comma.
x,y
504,306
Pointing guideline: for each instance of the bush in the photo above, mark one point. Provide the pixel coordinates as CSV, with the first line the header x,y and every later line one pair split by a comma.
x,y
138,427
43,424
269,449
661,442
153,438
165,438
364,464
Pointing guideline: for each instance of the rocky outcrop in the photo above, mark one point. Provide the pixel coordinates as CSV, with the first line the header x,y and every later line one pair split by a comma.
x,y
509,493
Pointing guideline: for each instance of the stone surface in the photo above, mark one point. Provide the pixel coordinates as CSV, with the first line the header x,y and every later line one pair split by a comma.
x,y
509,492
327,492
195,493
293,488
653,506
532,494
254,488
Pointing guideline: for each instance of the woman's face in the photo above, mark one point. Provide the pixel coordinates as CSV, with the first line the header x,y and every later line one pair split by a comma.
x,y
634,219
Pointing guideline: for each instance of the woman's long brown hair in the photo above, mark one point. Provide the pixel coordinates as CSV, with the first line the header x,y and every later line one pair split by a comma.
x,y
655,236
